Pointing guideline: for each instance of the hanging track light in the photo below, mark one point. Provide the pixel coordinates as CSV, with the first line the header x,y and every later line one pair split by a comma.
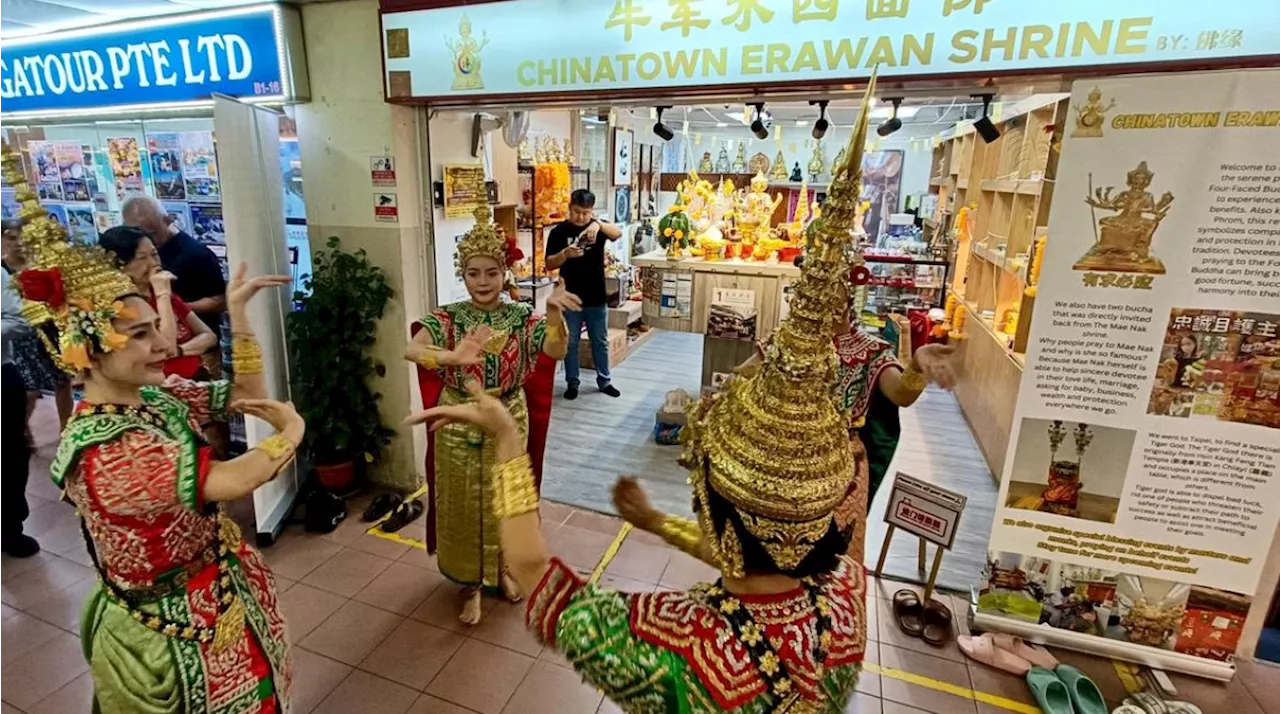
x,y
893,123
984,126
820,127
757,126
662,130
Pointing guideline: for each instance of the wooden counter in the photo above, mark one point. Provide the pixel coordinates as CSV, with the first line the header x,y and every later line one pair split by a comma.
x,y
987,389
768,281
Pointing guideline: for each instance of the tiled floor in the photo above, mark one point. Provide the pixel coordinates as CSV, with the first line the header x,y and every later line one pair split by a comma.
x,y
375,631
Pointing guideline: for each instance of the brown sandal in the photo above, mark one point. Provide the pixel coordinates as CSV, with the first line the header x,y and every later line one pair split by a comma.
x,y
908,611
937,624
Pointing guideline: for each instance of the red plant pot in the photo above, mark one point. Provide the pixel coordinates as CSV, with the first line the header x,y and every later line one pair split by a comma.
x,y
336,477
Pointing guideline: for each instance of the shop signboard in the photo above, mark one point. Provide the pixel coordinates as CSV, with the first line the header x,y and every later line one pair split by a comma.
x,y
1141,489
517,47
166,62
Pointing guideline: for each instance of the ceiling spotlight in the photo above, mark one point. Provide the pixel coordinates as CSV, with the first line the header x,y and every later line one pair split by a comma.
x,y
893,123
757,125
984,126
662,130
820,126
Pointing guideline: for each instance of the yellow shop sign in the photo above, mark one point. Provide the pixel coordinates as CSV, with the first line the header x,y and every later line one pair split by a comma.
x,y
534,46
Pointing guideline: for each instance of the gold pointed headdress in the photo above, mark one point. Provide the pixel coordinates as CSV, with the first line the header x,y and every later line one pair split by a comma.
x,y
76,286
773,443
484,240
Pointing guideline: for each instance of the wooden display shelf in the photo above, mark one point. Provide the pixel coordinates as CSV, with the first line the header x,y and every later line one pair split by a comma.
x,y
1007,185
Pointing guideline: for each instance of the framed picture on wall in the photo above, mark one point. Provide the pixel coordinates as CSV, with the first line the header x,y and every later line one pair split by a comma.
x,y
622,157
622,204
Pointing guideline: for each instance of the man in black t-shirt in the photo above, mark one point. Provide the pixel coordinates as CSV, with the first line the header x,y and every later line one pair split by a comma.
x,y
576,248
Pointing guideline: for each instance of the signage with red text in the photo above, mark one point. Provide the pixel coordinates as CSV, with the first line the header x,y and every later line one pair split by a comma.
x,y
924,509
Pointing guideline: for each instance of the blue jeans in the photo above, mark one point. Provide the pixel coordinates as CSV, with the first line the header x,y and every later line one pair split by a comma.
x,y
596,318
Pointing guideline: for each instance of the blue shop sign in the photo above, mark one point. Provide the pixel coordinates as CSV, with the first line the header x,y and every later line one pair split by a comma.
x,y
163,61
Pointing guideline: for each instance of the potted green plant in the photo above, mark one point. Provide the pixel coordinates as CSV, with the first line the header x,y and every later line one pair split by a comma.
x,y
329,339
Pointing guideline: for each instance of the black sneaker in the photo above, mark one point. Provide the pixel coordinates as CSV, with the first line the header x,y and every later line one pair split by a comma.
x,y
571,393
21,546
611,390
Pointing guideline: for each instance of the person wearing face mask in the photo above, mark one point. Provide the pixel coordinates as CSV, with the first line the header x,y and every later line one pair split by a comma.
x,y
184,614
511,351
189,337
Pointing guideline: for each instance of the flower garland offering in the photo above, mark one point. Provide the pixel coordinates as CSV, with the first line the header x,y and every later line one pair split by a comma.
x,y
1036,263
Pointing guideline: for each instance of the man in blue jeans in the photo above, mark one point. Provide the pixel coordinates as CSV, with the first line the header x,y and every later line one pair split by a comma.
x,y
575,248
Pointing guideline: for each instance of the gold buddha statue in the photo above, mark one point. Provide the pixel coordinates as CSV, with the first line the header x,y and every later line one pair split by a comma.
x,y
1092,116
705,166
779,172
740,159
466,57
817,164
1123,242
756,214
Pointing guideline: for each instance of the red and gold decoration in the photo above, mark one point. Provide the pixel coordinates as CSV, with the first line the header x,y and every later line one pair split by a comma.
x,y
76,286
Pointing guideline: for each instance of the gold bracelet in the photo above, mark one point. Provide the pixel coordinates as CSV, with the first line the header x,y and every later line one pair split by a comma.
x,y
683,534
275,447
515,492
912,379
429,359
557,331
246,355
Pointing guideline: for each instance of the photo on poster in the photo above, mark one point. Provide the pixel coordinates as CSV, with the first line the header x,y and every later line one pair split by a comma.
x,y
57,212
200,166
80,224
71,170
48,177
180,212
1219,364
90,171
295,205
165,153
1213,622
1070,469
881,184
9,206
126,167
106,220
206,224
1122,241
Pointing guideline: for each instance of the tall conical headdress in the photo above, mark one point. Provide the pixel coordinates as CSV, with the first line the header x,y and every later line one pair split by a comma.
x,y
773,443
76,286
485,239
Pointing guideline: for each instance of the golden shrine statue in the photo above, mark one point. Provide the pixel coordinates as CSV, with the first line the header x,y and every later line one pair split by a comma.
x,y
817,164
740,159
756,214
705,166
1092,116
466,57
779,172
1123,243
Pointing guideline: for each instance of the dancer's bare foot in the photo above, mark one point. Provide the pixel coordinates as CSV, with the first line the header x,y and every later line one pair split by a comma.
x,y
471,607
510,590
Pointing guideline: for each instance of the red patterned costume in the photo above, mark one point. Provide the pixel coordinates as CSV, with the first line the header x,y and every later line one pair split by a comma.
x,y
135,475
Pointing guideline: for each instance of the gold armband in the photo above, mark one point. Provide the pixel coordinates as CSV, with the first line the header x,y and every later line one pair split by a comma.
x,y
558,330
514,489
275,447
912,379
430,357
246,355
683,534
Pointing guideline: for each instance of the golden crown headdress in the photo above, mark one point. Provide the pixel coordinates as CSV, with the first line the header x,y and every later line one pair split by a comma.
x,y
485,240
773,443
76,286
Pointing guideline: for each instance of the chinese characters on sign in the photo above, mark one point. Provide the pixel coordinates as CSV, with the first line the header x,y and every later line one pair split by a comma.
x,y
920,508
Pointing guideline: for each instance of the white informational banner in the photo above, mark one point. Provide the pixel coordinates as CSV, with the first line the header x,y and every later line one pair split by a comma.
x,y
1140,492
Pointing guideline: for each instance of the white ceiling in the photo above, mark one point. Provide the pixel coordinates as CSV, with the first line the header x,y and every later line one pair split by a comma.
x,y
27,17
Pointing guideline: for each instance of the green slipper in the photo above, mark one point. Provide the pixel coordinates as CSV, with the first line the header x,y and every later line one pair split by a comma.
x,y
1049,691
1085,695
